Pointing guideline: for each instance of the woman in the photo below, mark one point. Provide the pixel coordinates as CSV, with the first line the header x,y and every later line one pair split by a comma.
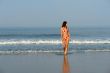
x,y
65,36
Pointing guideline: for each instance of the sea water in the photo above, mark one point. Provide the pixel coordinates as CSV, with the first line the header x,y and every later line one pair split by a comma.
x,y
20,40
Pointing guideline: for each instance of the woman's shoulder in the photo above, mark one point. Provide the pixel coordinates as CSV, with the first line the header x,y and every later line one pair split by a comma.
x,y
62,28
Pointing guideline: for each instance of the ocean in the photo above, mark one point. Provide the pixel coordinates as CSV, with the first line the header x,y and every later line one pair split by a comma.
x,y
27,40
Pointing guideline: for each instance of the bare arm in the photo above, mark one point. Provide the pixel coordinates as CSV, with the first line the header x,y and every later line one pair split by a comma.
x,y
68,33
62,36
61,33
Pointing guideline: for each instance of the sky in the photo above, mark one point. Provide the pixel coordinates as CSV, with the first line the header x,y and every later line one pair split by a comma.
x,y
51,13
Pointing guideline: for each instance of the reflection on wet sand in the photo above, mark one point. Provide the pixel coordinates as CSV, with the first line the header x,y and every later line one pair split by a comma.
x,y
66,67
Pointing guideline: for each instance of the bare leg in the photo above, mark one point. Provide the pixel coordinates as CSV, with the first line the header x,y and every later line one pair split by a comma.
x,y
65,52
64,44
66,47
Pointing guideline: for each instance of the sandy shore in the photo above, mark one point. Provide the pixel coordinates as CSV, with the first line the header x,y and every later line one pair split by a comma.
x,y
89,62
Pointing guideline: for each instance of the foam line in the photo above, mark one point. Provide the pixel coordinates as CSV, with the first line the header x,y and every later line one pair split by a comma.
x,y
12,42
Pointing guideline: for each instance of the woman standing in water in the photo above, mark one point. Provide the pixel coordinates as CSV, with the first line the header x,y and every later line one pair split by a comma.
x,y
65,36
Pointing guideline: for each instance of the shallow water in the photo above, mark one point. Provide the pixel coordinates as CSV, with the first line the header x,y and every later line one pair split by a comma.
x,y
89,62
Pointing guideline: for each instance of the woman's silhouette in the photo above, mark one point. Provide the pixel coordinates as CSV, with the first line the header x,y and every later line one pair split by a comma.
x,y
65,36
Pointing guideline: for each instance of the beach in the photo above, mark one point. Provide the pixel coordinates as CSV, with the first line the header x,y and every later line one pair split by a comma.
x,y
40,50
35,35
77,62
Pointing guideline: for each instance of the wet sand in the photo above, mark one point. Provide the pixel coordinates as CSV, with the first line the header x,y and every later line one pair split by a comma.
x,y
78,62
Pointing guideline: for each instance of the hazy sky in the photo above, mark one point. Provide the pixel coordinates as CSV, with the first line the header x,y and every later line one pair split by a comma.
x,y
51,13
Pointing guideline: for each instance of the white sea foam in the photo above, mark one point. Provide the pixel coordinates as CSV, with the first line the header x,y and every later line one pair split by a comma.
x,y
91,41
30,42
13,42
49,51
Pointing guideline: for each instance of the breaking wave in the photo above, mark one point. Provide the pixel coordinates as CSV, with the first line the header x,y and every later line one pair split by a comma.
x,y
14,42
49,51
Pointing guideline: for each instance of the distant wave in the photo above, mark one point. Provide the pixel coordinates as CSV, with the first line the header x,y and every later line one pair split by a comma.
x,y
13,42
27,35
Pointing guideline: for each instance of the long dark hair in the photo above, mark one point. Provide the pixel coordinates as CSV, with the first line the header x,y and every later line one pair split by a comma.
x,y
64,24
